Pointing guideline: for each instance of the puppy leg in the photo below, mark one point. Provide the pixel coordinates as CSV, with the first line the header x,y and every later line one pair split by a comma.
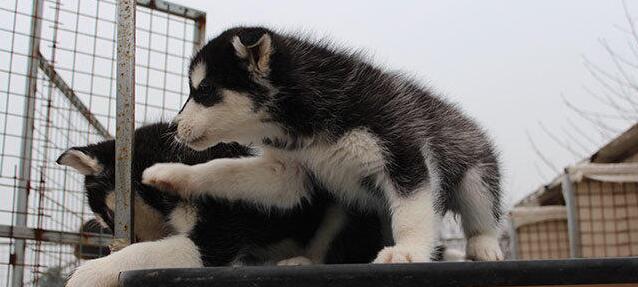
x,y
267,180
172,252
414,227
478,204
333,222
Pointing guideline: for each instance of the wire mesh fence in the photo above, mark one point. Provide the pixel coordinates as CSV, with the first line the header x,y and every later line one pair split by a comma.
x,y
596,215
57,87
607,218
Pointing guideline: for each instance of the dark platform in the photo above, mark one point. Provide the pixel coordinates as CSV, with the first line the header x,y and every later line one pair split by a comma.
x,y
506,273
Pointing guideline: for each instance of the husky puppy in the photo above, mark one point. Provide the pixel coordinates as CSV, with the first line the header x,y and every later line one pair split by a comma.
x,y
209,232
327,117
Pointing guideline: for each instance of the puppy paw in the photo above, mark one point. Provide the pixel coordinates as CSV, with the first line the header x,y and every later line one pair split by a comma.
x,y
295,261
96,273
483,248
173,177
402,254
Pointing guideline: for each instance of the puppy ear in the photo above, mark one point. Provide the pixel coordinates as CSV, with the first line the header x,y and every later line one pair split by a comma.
x,y
80,161
255,46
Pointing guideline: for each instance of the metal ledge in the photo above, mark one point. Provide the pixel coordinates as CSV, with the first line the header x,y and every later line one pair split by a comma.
x,y
506,273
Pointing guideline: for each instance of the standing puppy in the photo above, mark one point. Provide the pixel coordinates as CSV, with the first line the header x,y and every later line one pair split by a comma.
x,y
325,116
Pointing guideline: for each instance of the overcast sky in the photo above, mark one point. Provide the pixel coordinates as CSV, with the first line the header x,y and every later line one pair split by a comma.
x,y
507,63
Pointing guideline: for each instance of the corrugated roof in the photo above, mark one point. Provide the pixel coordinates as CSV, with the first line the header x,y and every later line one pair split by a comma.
x,y
620,148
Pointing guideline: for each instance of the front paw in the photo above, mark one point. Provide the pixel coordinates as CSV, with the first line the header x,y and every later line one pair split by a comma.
x,y
96,272
402,254
173,177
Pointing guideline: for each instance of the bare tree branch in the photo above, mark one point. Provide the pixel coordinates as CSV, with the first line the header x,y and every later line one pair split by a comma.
x,y
540,155
562,144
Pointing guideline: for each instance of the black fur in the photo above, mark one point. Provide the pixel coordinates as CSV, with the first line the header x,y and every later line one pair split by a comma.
x,y
314,89
225,231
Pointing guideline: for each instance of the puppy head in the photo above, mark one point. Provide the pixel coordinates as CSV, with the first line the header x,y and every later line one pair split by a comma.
x,y
229,90
98,170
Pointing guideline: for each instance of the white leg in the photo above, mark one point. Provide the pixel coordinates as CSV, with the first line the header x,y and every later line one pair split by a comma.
x,y
268,180
480,225
414,227
173,252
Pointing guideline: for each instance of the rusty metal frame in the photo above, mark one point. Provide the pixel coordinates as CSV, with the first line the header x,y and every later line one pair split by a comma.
x,y
125,124
66,90
26,233
125,120
26,154
173,9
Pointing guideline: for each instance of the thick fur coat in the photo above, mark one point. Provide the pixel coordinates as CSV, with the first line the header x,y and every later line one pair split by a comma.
x,y
325,117
172,232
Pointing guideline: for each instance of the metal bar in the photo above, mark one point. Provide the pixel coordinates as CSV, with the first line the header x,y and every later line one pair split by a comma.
x,y
24,177
513,239
125,120
21,232
199,34
448,274
572,216
172,8
66,90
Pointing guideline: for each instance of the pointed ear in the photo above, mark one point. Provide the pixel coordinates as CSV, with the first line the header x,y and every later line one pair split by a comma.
x,y
80,161
254,46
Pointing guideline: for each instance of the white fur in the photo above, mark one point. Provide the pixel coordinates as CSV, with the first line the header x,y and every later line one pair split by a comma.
x,y
268,180
277,178
234,118
414,227
341,166
484,247
81,162
183,218
198,74
173,252
480,228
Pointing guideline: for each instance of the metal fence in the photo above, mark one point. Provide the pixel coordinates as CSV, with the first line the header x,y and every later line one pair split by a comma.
x,y
57,90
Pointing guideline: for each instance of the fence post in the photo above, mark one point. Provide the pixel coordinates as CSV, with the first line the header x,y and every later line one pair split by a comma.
x,y
125,120
199,34
24,176
572,216
513,244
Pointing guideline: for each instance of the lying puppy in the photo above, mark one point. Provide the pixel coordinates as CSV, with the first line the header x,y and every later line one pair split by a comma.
x,y
209,232
326,116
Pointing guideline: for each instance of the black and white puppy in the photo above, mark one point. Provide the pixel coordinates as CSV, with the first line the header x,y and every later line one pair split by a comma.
x,y
209,232
326,117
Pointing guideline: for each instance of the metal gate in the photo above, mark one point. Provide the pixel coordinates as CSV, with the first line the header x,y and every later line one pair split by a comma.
x,y
58,87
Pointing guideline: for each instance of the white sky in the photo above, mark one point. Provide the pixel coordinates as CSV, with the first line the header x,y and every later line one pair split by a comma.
x,y
507,63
